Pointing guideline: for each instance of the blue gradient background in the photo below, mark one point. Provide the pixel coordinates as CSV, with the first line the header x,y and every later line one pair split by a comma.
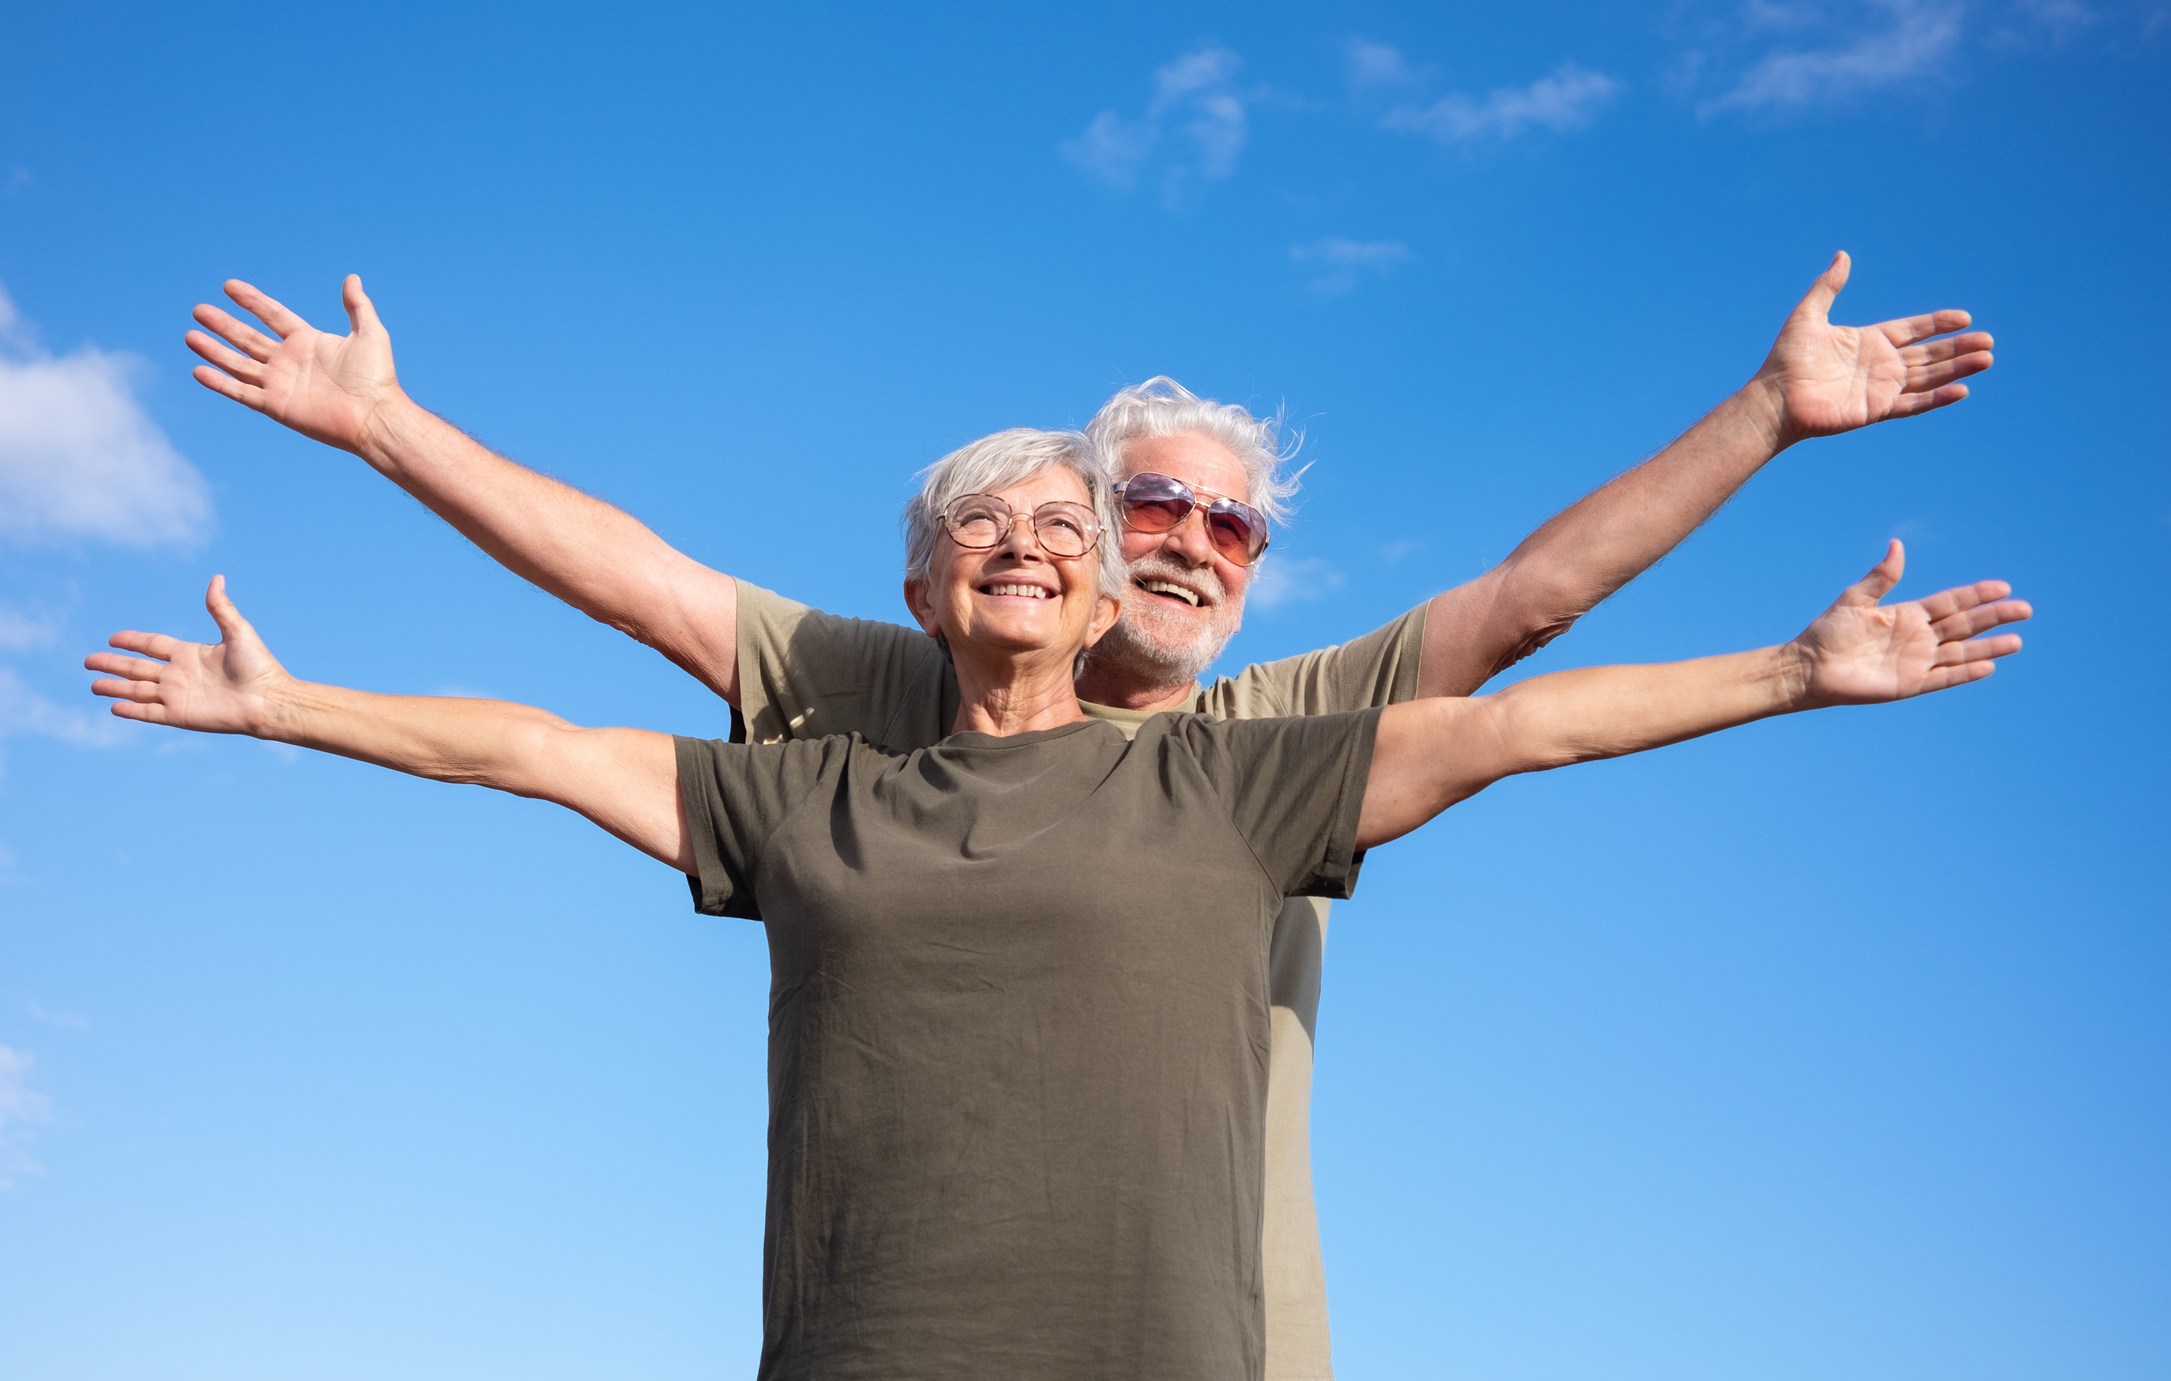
x,y
1833,1046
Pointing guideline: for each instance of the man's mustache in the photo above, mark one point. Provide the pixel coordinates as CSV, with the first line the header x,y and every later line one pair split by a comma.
x,y
1204,579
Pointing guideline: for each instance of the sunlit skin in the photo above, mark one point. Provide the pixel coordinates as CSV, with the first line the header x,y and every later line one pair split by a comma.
x,y
1165,619
1014,652
1820,379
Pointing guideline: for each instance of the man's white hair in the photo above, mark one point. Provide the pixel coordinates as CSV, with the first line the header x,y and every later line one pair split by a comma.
x,y
994,463
1162,407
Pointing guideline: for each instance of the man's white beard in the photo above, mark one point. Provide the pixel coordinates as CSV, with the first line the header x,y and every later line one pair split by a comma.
x,y
1159,646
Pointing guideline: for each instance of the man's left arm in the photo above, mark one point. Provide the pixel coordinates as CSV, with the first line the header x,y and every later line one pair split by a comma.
x,y
1819,380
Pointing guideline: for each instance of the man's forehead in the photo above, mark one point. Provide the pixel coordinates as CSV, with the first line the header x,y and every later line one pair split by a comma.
x,y
1190,457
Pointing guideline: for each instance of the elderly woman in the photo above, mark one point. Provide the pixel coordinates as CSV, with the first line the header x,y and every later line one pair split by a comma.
x,y
1015,1121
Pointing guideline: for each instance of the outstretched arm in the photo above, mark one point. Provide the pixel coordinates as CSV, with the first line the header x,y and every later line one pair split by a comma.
x,y
625,780
1432,753
342,390
1819,380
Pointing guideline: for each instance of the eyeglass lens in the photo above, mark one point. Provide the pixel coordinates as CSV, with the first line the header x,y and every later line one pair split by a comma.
x,y
1157,503
980,521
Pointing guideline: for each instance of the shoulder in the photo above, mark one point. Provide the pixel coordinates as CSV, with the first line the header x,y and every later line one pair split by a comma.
x,y
1379,668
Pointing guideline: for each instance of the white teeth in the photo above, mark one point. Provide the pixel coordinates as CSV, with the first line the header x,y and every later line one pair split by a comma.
x,y
1163,587
1029,591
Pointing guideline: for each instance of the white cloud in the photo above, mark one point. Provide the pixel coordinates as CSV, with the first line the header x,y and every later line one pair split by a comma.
x,y
1287,580
19,630
1344,262
1195,109
66,1021
78,454
1567,99
24,711
1374,65
21,1106
1920,38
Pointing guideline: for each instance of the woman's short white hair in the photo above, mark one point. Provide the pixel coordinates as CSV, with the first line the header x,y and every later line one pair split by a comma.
x,y
1162,407
994,463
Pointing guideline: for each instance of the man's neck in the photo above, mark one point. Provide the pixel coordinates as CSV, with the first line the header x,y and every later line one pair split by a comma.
x,y
1109,686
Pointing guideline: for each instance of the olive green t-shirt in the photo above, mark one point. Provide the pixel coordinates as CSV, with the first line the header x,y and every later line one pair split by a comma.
x,y
804,673
1016,1119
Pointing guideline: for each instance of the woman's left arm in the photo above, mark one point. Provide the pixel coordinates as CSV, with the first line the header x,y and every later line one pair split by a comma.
x,y
625,780
1432,753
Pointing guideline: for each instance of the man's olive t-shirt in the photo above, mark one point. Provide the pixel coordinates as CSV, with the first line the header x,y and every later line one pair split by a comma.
x,y
1015,1118
804,673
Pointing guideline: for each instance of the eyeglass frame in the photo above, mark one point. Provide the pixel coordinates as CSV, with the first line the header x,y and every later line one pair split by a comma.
x,y
1222,503
1094,530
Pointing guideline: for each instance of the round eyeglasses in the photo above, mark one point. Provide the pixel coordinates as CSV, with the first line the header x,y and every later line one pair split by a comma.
x,y
979,521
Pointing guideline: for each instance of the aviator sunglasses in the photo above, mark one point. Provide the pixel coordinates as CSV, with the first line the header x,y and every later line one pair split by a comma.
x,y
1154,503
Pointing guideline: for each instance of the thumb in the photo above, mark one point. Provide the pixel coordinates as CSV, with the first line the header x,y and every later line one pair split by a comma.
x,y
1821,293
361,312
1880,580
232,627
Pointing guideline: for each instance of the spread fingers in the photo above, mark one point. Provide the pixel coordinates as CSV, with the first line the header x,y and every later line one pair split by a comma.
x,y
244,337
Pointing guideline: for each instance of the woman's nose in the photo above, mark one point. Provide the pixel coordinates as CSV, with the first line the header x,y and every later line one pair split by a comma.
x,y
1019,539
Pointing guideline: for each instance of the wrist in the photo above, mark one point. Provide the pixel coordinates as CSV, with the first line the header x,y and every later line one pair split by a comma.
x,y
279,711
1793,671
382,437
1763,402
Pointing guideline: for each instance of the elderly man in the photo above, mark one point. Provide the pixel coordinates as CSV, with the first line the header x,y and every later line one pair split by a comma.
x,y
1200,482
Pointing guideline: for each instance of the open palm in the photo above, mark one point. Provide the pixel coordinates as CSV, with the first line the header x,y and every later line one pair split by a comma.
x,y
1826,379
1860,652
216,688
326,387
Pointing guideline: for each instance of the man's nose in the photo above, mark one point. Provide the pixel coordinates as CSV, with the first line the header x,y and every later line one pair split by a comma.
x,y
1189,541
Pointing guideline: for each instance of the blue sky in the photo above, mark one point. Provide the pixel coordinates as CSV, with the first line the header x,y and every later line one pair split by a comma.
x,y
1836,1045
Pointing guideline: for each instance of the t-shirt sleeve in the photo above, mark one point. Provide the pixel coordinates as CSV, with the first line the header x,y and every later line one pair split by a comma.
x,y
735,795
1295,789
1379,668
806,674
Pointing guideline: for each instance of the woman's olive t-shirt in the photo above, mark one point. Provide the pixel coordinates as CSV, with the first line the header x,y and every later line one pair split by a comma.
x,y
1014,1116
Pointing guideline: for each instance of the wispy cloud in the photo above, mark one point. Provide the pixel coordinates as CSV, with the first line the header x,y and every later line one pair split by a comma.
x,y
78,454
21,1107
1374,66
1916,42
1568,98
19,630
24,711
1342,263
1196,122
66,1021
1284,580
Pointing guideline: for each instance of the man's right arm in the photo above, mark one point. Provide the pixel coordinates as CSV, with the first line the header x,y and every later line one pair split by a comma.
x,y
343,391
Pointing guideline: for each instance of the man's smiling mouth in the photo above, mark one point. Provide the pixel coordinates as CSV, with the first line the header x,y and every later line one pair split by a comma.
x,y
1171,589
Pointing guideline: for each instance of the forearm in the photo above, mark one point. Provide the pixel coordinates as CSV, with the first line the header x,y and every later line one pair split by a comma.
x,y
594,556
625,780
1433,753
489,743
1582,555
1605,712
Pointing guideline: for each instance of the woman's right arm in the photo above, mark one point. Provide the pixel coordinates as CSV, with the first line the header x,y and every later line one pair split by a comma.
x,y
1432,753
625,780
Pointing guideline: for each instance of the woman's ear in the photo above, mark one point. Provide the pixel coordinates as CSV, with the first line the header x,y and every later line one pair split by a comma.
x,y
923,608
1105,611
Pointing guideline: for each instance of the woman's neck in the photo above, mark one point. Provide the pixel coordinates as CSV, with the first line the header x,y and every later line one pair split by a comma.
x,y
1005,699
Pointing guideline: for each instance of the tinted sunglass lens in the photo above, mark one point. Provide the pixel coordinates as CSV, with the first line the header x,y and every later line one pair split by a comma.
x,y
1232,536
